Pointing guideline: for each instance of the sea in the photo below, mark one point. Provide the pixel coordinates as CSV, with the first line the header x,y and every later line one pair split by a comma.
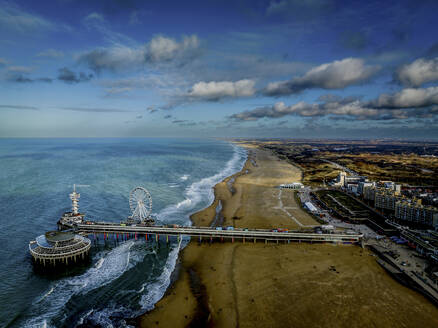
x,y
124,279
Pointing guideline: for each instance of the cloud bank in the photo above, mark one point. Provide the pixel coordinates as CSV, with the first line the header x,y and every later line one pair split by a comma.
x,y
68,76
335,75
418,72
214,91
158,50
408,103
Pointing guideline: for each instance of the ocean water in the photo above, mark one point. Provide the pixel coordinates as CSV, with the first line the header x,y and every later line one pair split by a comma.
x,y
124,279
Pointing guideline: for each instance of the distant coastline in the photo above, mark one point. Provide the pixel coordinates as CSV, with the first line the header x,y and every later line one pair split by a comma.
x,y
236,284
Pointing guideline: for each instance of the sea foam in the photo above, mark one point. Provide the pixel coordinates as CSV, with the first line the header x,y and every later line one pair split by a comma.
x,y
107,269
120,259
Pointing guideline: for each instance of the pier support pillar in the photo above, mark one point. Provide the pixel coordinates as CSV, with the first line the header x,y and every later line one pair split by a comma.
x,y
244,240
167,238
266,241
254,240
157,237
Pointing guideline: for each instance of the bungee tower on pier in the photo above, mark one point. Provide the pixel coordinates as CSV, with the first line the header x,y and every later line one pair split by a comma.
x,y
61,248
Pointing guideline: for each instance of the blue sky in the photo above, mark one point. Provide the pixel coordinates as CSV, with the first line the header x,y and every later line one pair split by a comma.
x,y
275,68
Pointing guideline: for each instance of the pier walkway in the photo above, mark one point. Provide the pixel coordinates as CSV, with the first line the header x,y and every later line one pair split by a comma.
x,y
90,227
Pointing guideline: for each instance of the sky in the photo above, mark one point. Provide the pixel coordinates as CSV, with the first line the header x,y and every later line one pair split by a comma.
x,y
242,68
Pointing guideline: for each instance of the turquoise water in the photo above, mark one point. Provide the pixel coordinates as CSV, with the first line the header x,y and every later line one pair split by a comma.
x,y
125,279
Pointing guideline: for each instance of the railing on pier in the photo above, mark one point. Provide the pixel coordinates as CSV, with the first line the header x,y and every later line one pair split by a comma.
x,y
214,233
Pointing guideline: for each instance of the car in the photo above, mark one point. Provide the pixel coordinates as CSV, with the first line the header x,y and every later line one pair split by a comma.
x,y
218,228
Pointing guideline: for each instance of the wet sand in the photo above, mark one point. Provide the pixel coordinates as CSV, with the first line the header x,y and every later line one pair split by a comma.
x,y
280,285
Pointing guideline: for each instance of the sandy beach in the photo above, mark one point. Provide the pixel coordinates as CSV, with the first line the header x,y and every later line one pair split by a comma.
x,y
243,284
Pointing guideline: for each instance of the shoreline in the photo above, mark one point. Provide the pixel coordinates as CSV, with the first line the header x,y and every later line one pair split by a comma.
x,y
178,272
212,286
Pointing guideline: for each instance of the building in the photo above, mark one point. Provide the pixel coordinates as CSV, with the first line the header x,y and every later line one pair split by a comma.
x,y
384,193
369,192
343,180
294,185
351,187
413,211
362,185
310,207
390,185
386,199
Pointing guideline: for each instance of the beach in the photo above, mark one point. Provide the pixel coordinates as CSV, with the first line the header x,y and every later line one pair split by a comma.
x,y
247,284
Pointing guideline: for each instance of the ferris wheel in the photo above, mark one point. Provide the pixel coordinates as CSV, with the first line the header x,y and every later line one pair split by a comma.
x,y
140,202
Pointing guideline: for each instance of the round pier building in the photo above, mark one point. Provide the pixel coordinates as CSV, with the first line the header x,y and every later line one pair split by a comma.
x,y
59,248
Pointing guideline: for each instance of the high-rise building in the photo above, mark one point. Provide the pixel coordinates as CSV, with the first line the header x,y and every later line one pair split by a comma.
x,y
413,211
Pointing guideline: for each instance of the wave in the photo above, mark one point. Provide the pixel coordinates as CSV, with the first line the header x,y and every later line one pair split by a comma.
x,y
81,319
107,269
184,177
99,263
196,192
194,195
116,262
46,294
156,290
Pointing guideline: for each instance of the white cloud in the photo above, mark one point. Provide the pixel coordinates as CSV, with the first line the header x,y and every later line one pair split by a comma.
x,y
418,72
223,89
161,49
409,97
339,108
13,18
408,103
20,69
51,53
335,75
94,17
115,58
158,50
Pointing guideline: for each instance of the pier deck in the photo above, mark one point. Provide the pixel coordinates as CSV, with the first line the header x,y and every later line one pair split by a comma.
x,y
249,234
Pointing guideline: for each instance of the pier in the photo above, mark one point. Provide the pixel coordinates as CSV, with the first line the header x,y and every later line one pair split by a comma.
x,y
90,227
70,244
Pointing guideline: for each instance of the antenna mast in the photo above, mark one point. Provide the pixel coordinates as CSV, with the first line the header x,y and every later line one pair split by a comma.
x,y
74,196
